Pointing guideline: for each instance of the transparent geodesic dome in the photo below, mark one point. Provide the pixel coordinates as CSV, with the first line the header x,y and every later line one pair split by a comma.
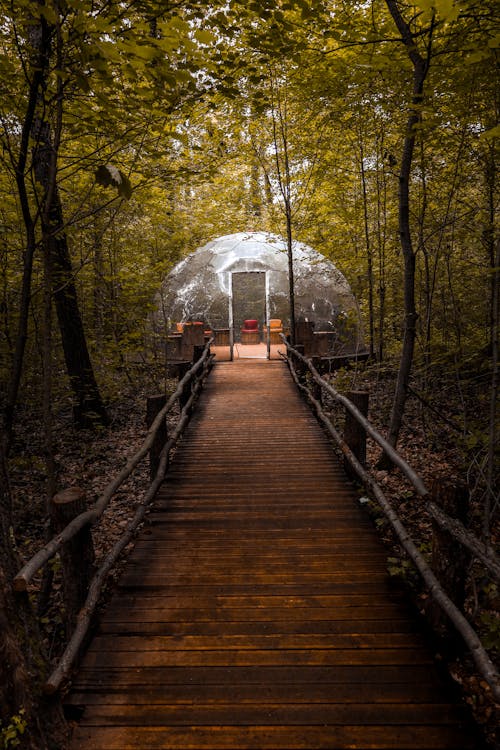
x,y
219,285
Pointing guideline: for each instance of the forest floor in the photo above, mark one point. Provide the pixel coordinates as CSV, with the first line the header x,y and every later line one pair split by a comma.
x,y
442,436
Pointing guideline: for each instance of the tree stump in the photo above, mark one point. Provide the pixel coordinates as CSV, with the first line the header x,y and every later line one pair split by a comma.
x,y
154,405
354,432
77,555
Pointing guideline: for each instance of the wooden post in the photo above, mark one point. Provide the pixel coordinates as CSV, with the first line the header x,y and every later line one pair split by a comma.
x,y
354,433
173,347
321,343
192,336
182,369
316,389
304,334
153,405
450,559
300,367
198,350
77,555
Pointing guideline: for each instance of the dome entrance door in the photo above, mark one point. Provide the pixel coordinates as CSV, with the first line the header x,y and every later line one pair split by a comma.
x,y
249,313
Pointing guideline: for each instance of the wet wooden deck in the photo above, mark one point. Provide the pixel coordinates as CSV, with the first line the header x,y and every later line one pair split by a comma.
x,y
255,611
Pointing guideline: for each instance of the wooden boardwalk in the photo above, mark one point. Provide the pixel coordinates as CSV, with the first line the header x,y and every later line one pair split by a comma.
x,y
256,611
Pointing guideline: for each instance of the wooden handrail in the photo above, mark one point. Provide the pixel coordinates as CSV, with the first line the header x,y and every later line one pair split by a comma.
x,y
83,620
482,551
410,474
483,662
27,572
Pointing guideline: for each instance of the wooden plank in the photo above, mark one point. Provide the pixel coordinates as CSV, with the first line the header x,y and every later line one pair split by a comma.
x,y
283,557
329,737
270,614
193,536
253,642
171,587
425,691
238,578
254,657
280,523
292,714
232,555
158,564
346,566
185,601
174,544
258,517
167,627
378,674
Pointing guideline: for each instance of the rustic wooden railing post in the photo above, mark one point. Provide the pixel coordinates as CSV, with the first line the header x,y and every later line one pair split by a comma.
x,y
300,367
182,369
450,560
154,404
304,334
354,432
192,336
198,350
316,389
77,555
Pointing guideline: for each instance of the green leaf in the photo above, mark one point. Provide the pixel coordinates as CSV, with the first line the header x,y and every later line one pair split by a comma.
x,y
48,13
204,37
82,82
492,133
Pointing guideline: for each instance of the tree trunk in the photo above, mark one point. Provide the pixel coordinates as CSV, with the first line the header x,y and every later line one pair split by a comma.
x,y
492,460
48,425
280,138
381,242
39,63
291,278
88,406
369,254
255,198
420,69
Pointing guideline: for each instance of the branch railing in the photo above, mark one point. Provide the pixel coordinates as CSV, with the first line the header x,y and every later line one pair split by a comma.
x,y
192,381
299,365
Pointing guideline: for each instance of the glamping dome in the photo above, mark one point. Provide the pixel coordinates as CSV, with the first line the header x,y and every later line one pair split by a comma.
x,y
245,275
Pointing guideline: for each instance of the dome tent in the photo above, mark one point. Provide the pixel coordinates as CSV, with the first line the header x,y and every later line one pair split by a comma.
x,y
245,275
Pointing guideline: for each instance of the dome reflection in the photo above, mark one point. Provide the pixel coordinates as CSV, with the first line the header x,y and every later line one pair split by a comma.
x,y
245,275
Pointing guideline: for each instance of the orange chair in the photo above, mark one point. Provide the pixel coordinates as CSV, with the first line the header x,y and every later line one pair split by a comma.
x,y
275,328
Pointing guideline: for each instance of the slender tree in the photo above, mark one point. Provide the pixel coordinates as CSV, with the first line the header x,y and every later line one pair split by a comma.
x,y
420,63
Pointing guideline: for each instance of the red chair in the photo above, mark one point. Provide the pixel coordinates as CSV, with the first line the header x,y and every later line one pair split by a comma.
x,y
250,332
